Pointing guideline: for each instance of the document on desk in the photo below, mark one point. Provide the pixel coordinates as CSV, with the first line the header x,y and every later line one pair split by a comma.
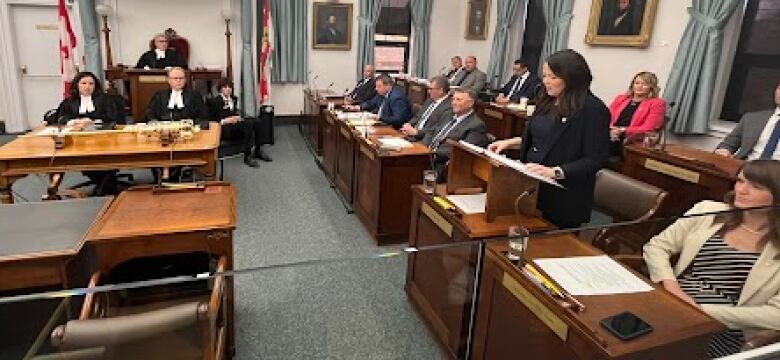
x,y
394,143
469,204
53,130
512,164
592,275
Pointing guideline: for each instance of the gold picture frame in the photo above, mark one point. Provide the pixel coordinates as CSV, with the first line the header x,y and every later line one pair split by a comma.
x,y
332,28
477,19
626,23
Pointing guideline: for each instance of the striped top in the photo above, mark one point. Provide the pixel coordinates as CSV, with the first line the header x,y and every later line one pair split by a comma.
x,y
716,276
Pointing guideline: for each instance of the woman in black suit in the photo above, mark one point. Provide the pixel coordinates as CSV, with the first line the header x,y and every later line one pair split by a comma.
x,y
566,139
86,106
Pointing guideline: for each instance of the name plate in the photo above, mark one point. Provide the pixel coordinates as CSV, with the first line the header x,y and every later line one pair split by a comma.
x,y
536,307
494,114
672,170
367,152
152,79
437,219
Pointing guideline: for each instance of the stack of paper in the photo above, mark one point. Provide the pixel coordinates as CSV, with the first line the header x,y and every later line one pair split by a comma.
x,y
53,130
393,143
513,164
592,275
469,204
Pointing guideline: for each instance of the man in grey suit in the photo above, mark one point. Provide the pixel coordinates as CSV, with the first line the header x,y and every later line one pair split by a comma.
x,y
463,124
756,136
472,78
433,112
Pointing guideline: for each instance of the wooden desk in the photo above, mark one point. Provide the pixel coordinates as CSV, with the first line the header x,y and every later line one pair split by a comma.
x,y
501,121
508,322
105,151
315,103
39,239
440,282
689,175
344,166
143,223
417,92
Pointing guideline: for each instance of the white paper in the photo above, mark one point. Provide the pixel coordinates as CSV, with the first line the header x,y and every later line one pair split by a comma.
x,y
469,204
394,143
592,275
354,115
513,164
52,130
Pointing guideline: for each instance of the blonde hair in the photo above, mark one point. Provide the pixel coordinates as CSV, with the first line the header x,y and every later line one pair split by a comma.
x,y
650,79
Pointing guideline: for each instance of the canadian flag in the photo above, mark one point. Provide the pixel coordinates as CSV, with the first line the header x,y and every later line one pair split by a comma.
x,y
265,53
68,55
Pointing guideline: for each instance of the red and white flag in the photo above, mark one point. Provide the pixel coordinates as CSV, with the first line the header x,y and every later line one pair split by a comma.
x,y
68,68
265,53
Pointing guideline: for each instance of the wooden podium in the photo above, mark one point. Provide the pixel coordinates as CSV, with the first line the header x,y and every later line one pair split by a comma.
x,y
440,282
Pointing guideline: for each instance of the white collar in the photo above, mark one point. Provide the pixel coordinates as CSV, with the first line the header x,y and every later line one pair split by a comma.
x,y
525,76
458,119
160,54
176,100
86,105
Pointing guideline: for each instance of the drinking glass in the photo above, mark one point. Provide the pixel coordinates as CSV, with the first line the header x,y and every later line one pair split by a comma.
x,y
651,139
429,181
518,243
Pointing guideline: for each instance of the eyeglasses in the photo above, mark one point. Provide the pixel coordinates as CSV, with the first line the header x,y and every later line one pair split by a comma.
x,y
177,78
161,40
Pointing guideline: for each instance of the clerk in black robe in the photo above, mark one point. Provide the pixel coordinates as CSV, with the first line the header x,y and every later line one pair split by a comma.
x,y
161,57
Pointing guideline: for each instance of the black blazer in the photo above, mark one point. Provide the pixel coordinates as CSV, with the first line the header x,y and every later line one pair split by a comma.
x,y
105,110
217,109
528,89
440,115
172,58
580,146
194,108
364,91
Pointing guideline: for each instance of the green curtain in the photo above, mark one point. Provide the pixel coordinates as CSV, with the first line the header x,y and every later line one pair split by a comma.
x,y
290,57
366,21
557,17
421,20
247,80
692,80
93,56
499,55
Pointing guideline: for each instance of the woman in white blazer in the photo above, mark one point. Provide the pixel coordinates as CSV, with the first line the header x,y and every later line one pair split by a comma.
x,y
729,262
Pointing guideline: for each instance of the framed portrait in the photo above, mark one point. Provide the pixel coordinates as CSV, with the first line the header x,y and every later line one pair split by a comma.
x,y
621,22
332,26
477,19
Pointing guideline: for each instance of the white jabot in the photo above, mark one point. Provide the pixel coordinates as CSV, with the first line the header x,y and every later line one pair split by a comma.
x,y
160,54
228,102
86,105
176,101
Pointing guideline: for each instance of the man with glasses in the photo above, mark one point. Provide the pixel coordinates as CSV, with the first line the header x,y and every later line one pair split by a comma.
x,y
177,102
161,56
434,111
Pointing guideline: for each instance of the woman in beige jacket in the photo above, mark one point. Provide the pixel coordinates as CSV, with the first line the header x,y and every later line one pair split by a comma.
x,y
729,262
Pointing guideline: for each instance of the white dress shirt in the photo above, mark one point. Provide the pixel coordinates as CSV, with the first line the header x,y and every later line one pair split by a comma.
x,y
518,83
429,111
228,102
160,54
764,138
86,105
176,101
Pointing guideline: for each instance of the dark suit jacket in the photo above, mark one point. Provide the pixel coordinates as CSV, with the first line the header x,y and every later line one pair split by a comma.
x,y
440,115
364,92
172,58
330,35
105,110
744,136
580,146
194,108
217,109
472,129
526,90
397,109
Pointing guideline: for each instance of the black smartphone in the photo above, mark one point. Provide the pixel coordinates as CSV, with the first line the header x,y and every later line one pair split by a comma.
x,y
626,326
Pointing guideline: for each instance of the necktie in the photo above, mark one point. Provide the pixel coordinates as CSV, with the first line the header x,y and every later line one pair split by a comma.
x,y
381,107
437,140
771,145
463,78
515,86
425,115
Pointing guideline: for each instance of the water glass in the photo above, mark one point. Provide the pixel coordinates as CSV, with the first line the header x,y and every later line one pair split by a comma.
x,y
529,110
429,181
651,139
518,243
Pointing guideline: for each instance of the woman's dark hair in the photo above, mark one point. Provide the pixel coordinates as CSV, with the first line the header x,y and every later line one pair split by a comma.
x,y
764,173
74,85
225,83
572,68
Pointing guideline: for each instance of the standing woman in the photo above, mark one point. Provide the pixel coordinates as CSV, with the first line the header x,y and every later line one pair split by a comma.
x,y
566,139
635,112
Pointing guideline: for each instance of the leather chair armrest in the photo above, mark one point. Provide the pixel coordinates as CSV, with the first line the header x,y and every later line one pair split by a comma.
x,y
761,338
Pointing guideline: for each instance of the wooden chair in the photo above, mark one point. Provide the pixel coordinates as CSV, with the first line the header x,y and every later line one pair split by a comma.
x,y
625,199
756,340
181,327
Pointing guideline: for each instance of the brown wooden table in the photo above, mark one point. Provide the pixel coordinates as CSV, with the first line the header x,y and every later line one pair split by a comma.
x,y
143,222
515,318
689,175
500,120
102,151
315,103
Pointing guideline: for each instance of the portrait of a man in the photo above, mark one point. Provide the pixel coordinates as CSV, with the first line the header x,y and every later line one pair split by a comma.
x,y
621,17
332,26
621,22
476,23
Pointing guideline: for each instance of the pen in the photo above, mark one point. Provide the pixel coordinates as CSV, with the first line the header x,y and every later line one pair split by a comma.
x,y
547,283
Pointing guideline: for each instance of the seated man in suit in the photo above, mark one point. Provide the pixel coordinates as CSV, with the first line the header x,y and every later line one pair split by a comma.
x,y
462,124
433,112
390,103
471,78
161,57
756,136
177,102
457,68
223,108
522,84
365,89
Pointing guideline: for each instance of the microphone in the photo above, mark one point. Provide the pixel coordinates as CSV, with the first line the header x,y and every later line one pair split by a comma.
x,y
663,128
329,86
